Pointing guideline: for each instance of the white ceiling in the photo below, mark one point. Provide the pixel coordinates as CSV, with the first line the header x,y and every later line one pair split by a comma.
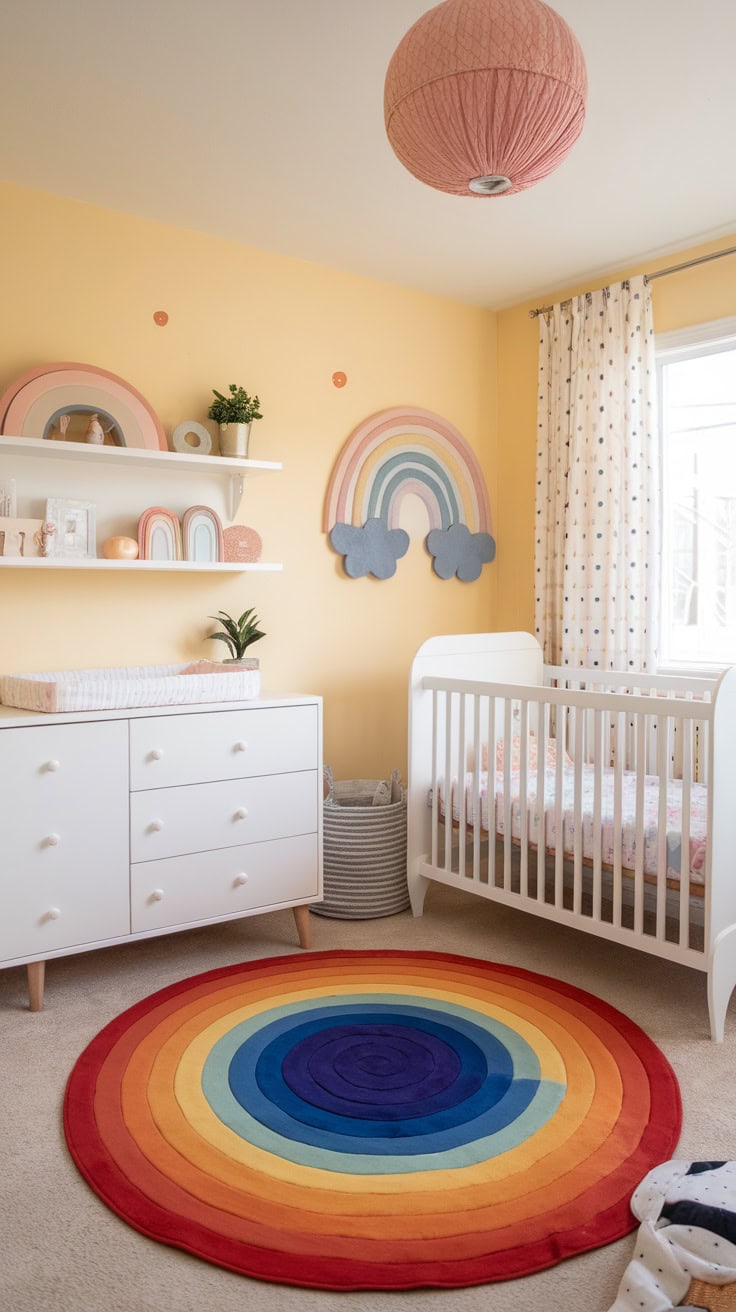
x,y
262,121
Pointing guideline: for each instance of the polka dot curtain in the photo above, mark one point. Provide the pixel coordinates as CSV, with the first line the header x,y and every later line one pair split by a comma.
x,y
597,501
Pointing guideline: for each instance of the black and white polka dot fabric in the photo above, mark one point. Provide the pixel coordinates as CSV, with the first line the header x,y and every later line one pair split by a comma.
x,y
685,1249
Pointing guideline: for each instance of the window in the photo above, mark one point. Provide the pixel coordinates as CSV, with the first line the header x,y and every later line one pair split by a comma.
x,y
696,374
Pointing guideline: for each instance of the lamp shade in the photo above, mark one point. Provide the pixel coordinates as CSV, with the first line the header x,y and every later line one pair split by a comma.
x,y
484,97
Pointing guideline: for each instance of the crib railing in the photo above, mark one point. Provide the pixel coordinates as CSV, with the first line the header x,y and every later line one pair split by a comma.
x,y
669,687
493,747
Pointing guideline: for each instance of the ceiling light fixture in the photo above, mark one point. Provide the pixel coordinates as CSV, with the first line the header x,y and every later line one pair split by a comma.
x,y
485,97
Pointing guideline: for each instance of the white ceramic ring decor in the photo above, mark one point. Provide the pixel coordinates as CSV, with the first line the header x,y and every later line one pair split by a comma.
x,y
190,438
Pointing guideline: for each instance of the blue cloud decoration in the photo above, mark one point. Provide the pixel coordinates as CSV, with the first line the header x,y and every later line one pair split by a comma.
x,y
373,549
457,551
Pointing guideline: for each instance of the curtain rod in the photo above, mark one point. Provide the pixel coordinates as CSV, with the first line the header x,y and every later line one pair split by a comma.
x,y
650,277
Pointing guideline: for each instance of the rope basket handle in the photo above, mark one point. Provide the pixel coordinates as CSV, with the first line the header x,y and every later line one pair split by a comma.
x,y
328,784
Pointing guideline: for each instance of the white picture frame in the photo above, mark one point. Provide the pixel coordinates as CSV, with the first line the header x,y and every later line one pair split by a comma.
x,y
73,533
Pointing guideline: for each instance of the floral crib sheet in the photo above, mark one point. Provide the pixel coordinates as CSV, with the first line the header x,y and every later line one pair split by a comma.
x,y
698,812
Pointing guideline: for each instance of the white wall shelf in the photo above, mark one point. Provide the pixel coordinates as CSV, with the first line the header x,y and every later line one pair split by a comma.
x,y
232,471
182,566
97,468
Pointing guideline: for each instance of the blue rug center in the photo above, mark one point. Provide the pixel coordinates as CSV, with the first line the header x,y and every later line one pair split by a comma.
x,y
383,1075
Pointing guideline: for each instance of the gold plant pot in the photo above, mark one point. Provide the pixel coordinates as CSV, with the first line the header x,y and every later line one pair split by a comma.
x,y
234,440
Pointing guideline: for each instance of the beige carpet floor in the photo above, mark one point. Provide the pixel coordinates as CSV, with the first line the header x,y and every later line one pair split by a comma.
x,y
62,1250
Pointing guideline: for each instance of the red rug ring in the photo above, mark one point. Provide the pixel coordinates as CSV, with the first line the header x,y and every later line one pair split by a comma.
x,y
373,1120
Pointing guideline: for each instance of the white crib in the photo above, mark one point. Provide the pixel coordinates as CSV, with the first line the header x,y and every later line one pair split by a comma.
x,y
635,839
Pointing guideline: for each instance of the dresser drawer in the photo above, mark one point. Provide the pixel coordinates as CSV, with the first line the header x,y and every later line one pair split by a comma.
x,y
210,885
63,837
170,750
172,821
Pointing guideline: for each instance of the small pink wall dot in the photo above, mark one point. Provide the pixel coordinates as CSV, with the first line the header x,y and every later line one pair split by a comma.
x,y
161,318
339,378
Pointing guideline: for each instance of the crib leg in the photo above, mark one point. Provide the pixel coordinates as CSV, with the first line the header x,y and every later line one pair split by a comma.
x,y
418,886
721,981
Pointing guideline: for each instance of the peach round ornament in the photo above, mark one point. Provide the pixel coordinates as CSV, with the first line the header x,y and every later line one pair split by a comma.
x,y
120,549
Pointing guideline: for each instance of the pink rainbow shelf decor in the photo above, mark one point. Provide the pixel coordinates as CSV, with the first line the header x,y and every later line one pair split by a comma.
x,y
32,404
394,454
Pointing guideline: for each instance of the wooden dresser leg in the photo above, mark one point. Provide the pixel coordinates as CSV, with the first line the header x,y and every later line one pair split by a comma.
x,y
303,926
36,971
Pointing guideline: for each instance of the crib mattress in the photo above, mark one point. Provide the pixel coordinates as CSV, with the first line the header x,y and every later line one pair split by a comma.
x,y
628,823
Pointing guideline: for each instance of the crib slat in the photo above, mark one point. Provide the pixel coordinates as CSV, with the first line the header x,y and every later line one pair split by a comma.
x,y
435,779
686,730
577,899
477,768
523,810
561,729
618,777
542,735
462,762
492,822
448,780
507,816
662,769
640,740
598,728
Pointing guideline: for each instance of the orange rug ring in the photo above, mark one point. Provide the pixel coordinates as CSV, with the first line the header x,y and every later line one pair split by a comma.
x,y
372,1120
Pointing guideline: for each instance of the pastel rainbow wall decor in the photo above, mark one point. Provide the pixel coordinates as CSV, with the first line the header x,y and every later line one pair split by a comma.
x,y
401,452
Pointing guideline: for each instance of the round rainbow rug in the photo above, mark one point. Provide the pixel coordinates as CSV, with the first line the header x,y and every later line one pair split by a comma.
x,y
373,1120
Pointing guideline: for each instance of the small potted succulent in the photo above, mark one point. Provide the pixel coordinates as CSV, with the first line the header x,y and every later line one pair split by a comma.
x,y
239,634
234,415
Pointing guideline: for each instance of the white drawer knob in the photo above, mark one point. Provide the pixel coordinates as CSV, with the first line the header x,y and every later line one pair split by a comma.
x,y
52,840
241,813
155,825
157,895
241,747
52,765
53,913
239,880
155,753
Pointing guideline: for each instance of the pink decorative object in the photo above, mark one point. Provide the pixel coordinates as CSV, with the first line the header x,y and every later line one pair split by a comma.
x,y
407,450
47,533
159,535
95,433
202,536
242,544
28,404
485,97
221,667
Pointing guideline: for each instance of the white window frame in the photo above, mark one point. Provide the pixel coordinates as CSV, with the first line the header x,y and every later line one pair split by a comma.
x,y
684,344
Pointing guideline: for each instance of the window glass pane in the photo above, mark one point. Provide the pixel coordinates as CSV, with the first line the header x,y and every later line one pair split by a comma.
x,y
699,513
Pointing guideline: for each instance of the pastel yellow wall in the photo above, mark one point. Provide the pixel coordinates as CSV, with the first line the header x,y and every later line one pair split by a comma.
x,y
693,296
82,283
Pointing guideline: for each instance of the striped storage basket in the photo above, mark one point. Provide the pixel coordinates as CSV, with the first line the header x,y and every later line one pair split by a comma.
x,y
364,849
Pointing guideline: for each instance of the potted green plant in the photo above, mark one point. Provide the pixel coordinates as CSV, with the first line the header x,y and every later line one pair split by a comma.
x,y
239,634
234,415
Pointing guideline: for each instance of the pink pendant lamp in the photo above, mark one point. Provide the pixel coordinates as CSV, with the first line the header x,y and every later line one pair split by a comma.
x,y
484,97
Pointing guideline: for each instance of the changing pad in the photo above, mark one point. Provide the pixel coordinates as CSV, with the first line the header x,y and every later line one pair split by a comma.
x,y
117,688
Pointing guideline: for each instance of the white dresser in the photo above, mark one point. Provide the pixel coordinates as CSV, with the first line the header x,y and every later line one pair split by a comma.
x,y
118,825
